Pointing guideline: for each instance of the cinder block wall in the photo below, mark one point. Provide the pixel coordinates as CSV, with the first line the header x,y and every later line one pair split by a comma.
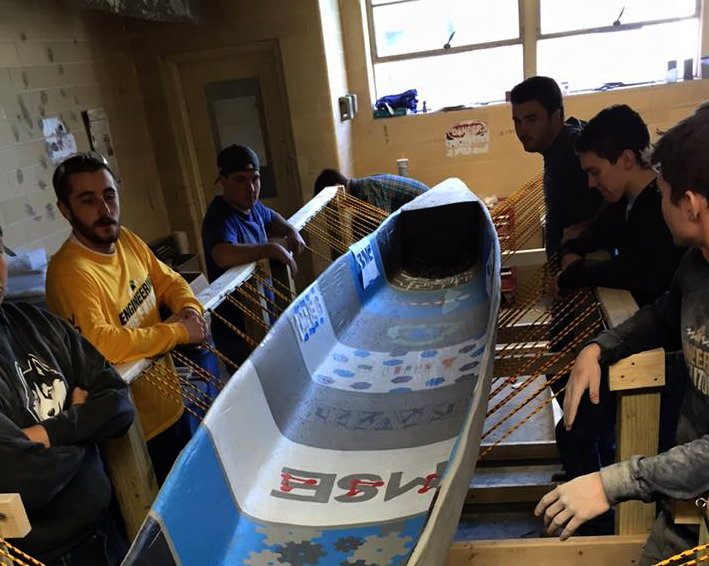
x,y
56,61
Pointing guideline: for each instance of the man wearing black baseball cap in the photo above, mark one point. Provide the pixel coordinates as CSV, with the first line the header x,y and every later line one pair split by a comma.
x,y
236,231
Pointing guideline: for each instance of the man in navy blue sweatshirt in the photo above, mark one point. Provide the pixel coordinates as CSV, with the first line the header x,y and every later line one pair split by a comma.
x,y
58,397
680,314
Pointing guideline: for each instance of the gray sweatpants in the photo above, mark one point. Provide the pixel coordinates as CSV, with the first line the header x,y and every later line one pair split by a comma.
x,y
666,539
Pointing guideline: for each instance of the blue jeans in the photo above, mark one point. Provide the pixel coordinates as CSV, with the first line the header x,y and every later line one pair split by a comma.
x,y
103,546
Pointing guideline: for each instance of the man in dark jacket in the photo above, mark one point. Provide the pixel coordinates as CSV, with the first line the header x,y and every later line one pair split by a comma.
x,y
58,397
630,224
679,314
644,259
538,115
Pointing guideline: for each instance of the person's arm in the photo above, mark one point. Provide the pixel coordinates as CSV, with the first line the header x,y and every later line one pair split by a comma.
x,y
76,298
597,236
655,325
171,288
637,273
227,255
104,410
280,227
679,473
646,264
35,472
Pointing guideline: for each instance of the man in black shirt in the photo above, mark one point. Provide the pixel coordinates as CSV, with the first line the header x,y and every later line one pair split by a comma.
x,y
538,115
644,259
630,223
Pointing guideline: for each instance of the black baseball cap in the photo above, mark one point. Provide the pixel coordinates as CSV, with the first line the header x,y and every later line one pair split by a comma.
x,y
235,158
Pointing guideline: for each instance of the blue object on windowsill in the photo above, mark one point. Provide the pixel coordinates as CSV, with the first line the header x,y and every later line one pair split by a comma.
x,y
407,100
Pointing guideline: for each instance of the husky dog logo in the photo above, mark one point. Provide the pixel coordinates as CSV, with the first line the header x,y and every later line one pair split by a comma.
x,y
45,388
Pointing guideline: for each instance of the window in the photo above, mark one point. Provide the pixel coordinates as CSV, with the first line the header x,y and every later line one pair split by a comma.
x,y
590,45
452,51
467,52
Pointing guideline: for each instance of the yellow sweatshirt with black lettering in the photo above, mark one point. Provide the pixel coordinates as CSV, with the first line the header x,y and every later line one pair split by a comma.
x,y
113,300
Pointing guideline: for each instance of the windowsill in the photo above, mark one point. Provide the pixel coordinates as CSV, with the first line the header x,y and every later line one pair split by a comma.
x,y
585,92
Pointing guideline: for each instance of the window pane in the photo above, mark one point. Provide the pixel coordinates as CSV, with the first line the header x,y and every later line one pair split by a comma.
x,y
589,61
427,24
569,15
448,80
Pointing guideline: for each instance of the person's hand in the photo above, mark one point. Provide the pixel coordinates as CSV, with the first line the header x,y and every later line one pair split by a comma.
x,y
196,328
37,433
277,251
78,396
574,231
295,241
184,314
571,504
586,374
568,259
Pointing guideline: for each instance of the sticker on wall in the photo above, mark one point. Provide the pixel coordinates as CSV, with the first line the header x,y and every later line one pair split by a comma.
x,y
467,138
96,123
60,143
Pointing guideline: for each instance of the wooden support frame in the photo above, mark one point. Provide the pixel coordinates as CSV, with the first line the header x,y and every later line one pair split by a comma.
x,y
512,334
13,517
538,450
580,551
132,476
646,369
507,494
637,381
513,365
524,258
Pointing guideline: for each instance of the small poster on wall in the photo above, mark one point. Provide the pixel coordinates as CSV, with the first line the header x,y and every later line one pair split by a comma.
x,y
60,143
100,137
467,138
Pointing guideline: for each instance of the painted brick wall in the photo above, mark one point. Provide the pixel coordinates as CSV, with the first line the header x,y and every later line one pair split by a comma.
x,y
56,61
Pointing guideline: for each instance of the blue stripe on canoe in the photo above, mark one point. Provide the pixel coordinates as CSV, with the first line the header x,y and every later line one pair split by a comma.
x,y
196,493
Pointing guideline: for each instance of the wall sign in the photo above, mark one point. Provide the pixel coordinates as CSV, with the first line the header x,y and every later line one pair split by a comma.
x,y
467,138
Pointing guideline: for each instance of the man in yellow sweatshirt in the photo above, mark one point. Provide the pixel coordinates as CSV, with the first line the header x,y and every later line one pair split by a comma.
x,y
109,285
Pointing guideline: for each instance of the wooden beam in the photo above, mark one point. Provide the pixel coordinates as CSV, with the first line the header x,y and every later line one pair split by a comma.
x,y
521,330
132,476
579,551
514,365
13,517
646,369
638,433
507,494
537,450
685,513
703,538
521,348
524,258
638,406
617,305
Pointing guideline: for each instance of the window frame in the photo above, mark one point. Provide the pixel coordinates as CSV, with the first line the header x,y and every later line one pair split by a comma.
x,y
376,58
611,28
530,33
